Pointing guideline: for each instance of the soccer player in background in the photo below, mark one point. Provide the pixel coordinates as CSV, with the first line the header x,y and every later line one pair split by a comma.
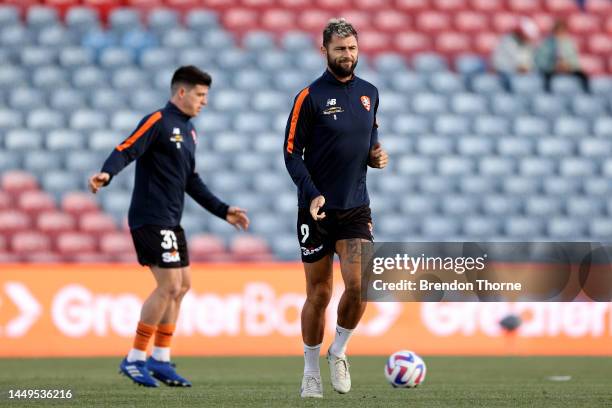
x,y
163,146
330,139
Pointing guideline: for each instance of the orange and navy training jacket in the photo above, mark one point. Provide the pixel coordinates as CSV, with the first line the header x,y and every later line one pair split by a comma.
x,y
163,146
329,134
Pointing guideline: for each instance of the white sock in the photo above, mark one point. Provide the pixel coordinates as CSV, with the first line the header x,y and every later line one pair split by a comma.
x,y
136,355
161,353
311,359
338,347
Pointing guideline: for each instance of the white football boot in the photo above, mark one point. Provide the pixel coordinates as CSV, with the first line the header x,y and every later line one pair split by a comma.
x,y
311,386
339,373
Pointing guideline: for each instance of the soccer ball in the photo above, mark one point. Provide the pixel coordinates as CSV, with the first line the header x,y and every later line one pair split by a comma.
x,y
405,369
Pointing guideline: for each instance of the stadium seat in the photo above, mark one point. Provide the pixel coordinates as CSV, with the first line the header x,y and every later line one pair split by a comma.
x,y
33,202
603,126
434,184
523,228
451,125
520,186
55,222
574,166
546,105
531,126
568,126
584,207
474,146
118,244
600,228
587,106
490,125
81,19
459,205
250,248
77,203
73,243
207,248
481,228
542,206
564,228
561,186
501,205
536,166
511,146
12,221
23,139
438,227
96,223
16,182
434,146
478,184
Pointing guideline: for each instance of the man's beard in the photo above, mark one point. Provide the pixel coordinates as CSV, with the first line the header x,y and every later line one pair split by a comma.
x,y
338,70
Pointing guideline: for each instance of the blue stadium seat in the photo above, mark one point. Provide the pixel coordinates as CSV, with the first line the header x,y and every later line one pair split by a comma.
x,y
549,106
177,38
272,182
527,84
566,85
470,64
429,104
592,147
438,227
396,145
436,184
521,186
10,118
186,56
391,183
408,82
561,186
468,104
251,122
390,63
85,119
49,77
523,228
269,224
85,161
392,102
24,99
9,160
411,124
451,124
418,205
587,106
455,166
601,85
227,182
97,40
429,62
201,20
128,79
90,77
542,206
33,57
44,119
40,161
575,166
217,40
496,166
59,181
230,100
531,126
251,80
291,81
486,84
38,17
509,105
603,126
393,226
163,19
536,166
66,100
501,205
104,141
555,147
15,37
251,162
255,202
568,126
124,19
566,228
258,41
285,246
107,100
74,57
210,121
125,122
81,19
478,184
475,146
138,41
511,146
296,41
601,228
446,83
273,59
459,205
229,142
434,145
9,15
597,186
116,57
271,101
586,207
415,165
148,100
208,162
64,139
606,168
56,37
491,125
481,227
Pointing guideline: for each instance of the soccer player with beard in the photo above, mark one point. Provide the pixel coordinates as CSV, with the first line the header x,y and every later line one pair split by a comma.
x,y
330,140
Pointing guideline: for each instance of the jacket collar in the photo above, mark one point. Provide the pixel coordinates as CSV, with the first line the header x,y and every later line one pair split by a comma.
x,y
329,77
172,108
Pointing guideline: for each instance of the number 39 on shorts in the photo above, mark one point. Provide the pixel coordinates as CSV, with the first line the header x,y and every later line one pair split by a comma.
x,y
305,231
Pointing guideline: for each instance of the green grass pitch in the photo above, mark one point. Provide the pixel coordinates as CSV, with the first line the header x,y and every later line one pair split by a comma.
x,y
274,382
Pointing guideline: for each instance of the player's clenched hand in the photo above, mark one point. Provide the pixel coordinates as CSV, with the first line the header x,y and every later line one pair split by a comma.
x,y
315,205
378,157
97,181
238,218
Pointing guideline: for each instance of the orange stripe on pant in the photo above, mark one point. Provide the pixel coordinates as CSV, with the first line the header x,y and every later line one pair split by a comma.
x,y
294,118
140,131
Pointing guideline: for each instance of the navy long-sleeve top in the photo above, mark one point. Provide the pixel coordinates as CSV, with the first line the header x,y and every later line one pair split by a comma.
x,y
329,134
163,146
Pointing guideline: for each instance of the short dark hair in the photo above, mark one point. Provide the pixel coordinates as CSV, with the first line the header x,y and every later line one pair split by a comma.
x,y
189,76
339,27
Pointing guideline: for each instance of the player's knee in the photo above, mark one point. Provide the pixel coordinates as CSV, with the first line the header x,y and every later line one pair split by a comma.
x,y
185,286
172,290
353,291
320,296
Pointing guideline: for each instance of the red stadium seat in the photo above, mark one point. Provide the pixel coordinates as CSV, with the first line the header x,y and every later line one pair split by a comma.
x,y
433,21
592,64
584,24
372,5
240,19
278,20
144,5
484,43
89,257
391,21
608,25
97,223
561,7
525,7
313,20
219,4
34,202
55,222
374,42
258,4
6,201
71,243
26,242
451,43
250,248
450,5
7,258
409,42
294,4
207,248
16,182
12,221
43,257
117,243
183,5
600,44
79,203
62,6
544,21
504,22
412,6
335,6
23,5
104,7
3,243
601,7
361,20
489,6
470,21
